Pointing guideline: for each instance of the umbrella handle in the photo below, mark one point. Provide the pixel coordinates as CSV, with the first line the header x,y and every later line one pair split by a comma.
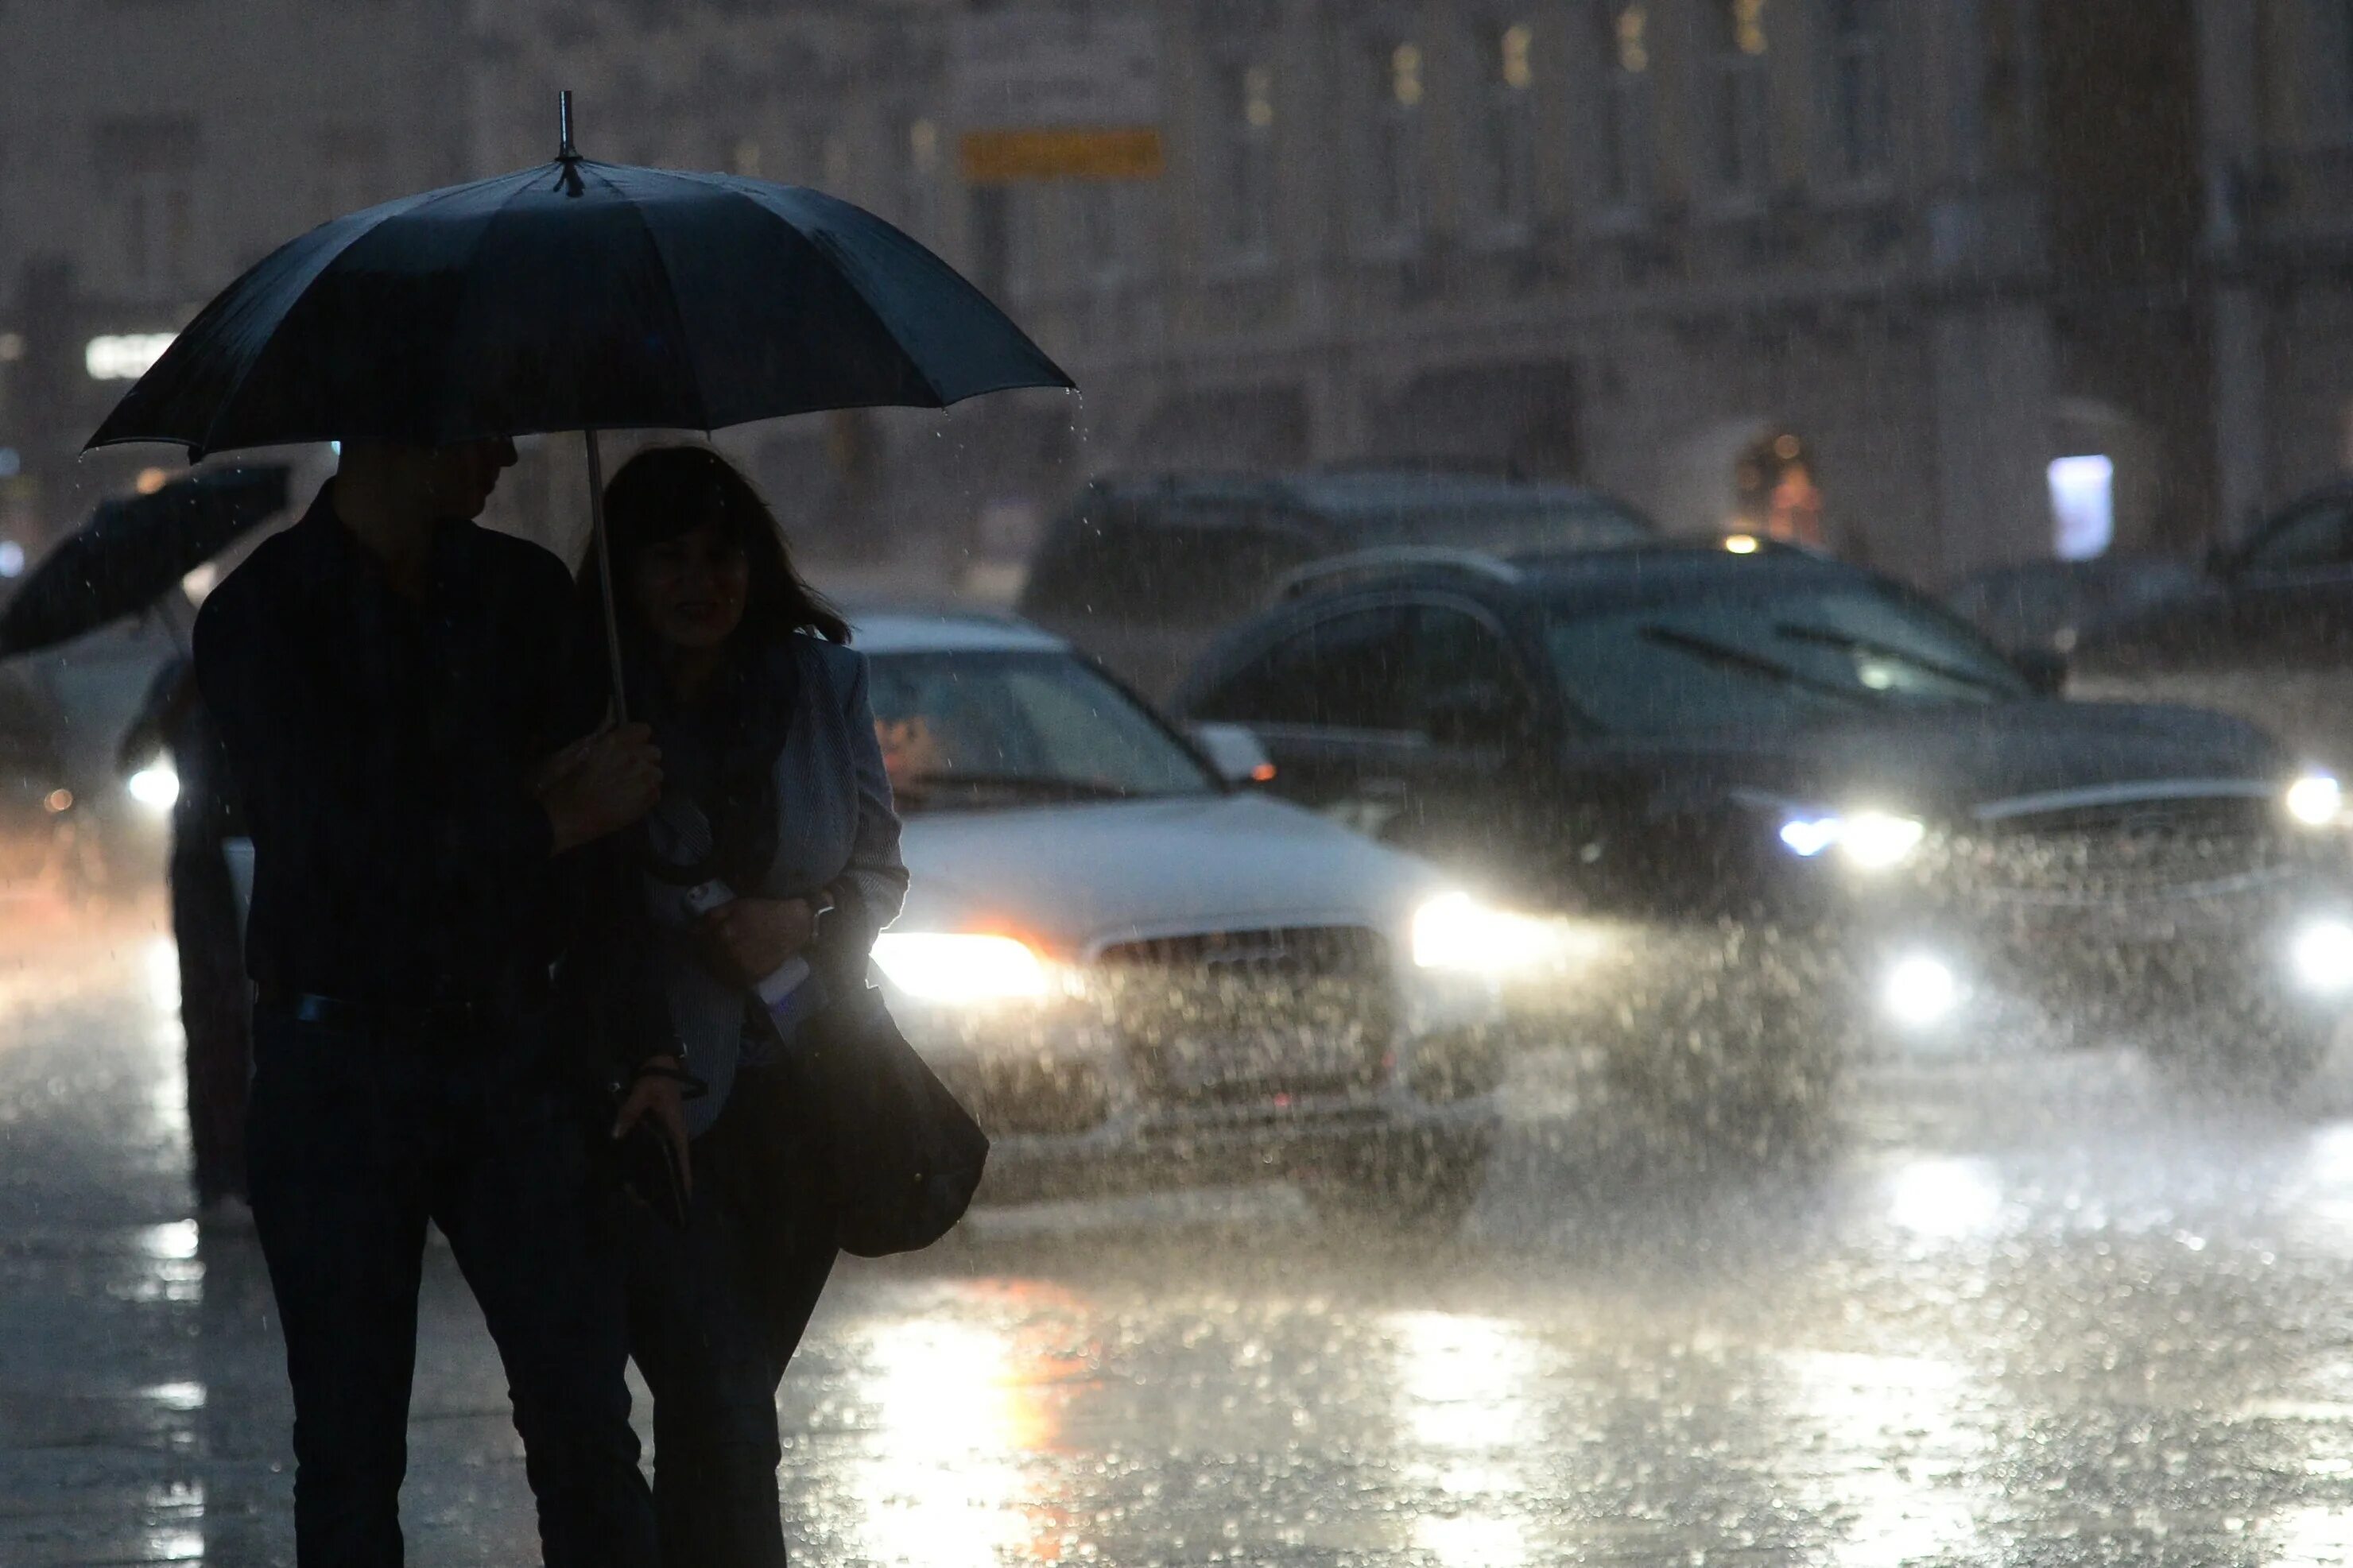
x,y
605,575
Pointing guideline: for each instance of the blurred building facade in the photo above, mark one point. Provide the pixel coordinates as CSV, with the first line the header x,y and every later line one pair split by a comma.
x,y
148,153
1934,243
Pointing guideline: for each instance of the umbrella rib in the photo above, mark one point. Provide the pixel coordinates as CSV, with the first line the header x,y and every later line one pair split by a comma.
x,y
452,346
670,295
318,266
736,188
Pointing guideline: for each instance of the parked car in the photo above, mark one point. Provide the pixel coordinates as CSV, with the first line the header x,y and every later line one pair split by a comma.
x,y
2054,605
1790,800
2267,633
1142,572
1138,975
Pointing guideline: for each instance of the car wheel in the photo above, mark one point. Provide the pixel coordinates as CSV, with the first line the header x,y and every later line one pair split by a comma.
x,y
1425,1184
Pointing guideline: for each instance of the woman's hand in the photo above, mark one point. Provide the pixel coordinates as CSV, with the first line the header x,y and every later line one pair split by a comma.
x,y
754,937
658,1095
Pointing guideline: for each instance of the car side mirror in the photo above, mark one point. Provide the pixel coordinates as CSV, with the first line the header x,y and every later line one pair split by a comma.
x,y
1236,752
1476,714
2044,670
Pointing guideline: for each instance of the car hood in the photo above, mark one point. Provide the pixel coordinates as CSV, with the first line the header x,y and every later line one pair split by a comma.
x,y
1071,877
1960,762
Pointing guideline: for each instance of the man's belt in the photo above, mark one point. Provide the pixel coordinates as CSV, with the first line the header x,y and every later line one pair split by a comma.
x,y
445,1018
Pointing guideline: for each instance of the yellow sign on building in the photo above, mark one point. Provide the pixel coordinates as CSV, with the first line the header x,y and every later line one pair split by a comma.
x,y
1049,92
1061,152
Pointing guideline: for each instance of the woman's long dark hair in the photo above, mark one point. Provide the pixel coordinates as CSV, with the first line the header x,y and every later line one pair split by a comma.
x,y
666,492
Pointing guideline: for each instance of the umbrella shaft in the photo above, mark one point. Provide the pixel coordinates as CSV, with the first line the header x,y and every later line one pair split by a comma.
x,y
605,575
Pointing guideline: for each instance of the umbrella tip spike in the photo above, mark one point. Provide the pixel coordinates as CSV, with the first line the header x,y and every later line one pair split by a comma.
x,y
565,150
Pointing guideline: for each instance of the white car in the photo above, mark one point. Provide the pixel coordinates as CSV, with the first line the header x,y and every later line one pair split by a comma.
x,y
1139,971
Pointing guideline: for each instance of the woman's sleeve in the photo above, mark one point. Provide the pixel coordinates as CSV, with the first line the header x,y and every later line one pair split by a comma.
x,y
873,886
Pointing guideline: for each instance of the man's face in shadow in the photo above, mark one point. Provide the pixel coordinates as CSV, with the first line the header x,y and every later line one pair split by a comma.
x,y
458,479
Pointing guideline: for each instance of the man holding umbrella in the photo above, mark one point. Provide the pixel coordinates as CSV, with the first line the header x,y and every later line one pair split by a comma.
x,y
384,673
389,679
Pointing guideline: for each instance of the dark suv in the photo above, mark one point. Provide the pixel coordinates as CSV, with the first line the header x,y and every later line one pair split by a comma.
x,y
1142,572
1782,799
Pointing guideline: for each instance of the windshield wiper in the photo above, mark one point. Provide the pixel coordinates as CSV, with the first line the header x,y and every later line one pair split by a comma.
x,y
1051,786
1821,637
1747,663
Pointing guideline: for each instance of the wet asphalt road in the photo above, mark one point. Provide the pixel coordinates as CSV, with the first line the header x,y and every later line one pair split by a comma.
x,y
2032,1309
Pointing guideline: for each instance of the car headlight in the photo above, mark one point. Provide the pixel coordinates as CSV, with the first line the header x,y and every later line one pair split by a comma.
x,y
156,787
2315,800
959,968
1456,931
1870,840
2321,954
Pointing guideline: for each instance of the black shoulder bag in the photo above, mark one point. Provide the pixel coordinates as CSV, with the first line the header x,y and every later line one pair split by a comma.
x,y
862,1134
897,1159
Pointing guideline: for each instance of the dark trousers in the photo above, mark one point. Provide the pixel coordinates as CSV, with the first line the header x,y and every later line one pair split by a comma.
x,y
715,1312
215,1015
357,1140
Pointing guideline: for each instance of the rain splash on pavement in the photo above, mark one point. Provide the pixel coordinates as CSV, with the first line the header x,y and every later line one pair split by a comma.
x,y
2035,1309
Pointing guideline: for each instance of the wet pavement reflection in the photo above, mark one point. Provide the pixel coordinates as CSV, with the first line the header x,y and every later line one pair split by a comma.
x,y
2032,1309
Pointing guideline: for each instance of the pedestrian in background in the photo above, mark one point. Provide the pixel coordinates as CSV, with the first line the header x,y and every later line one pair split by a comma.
x,y
390,681
774,786
214,1005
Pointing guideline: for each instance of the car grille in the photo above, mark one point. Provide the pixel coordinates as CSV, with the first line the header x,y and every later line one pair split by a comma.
x,y
2155,850
1236,1016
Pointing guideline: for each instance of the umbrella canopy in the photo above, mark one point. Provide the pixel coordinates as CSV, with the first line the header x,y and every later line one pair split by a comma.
x,y
576,296
131,550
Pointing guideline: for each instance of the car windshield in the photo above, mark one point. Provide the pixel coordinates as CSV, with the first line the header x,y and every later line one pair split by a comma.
x,y
969,730
1742,659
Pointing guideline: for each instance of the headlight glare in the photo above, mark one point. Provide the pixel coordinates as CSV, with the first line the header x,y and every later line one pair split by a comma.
x,y
2315,800
1456,931
1876,840
1870,840
156,788
2321,953
959,968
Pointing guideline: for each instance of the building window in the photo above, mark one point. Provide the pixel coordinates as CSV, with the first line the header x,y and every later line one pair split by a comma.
x,y
919,179
150,165
1508,164
1246,127
1101,245
1735,144
1394,167
1858,89
1624,47
158,231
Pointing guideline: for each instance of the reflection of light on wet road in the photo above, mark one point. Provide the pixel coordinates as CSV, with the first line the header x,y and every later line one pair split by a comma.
x,y
163,1267
175,1516
2312,1535
1889,1432
1948,1199
159,969
961,1410
1466,1393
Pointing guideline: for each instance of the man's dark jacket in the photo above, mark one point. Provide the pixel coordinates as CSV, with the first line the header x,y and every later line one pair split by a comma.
x,y
384,750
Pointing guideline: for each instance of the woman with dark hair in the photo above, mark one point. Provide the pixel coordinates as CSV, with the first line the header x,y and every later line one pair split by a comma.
x,y
775,850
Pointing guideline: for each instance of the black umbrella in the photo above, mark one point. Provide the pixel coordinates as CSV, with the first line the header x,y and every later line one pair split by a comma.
x,y
576,296
132,550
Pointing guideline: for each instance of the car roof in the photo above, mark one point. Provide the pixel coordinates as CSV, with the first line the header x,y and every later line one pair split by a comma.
x,y
904,629
1357,497
1575,579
